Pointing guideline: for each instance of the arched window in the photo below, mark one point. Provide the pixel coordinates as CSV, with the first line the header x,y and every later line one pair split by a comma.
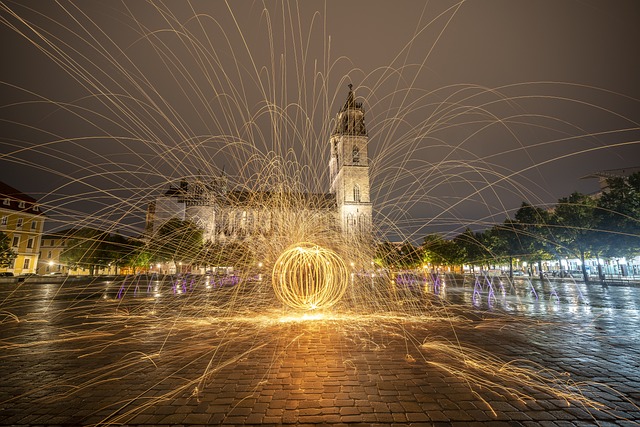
x,y
351,223
355,154
356,193
363,224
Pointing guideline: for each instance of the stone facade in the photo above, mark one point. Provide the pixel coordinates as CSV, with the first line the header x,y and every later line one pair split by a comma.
x,y
237,215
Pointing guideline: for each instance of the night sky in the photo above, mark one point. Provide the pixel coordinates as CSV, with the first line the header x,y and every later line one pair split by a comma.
x,y
471,107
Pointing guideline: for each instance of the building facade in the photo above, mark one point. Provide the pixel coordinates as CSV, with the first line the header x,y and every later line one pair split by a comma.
x,y
51,246
22,221
349,169
227,215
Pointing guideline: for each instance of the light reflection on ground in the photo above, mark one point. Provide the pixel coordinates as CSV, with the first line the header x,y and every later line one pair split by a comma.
x,y
512,345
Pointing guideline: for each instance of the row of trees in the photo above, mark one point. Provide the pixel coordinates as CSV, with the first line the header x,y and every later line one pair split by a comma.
x,y
578,226
176,242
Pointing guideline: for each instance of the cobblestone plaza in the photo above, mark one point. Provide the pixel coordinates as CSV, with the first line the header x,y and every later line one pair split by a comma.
x,y
552,355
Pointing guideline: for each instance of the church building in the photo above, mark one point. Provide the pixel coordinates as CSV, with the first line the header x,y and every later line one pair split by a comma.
x,y
228,215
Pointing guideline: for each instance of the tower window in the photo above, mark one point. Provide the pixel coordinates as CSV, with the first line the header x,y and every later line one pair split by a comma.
x,y
351,222
362,224
356,193
355,154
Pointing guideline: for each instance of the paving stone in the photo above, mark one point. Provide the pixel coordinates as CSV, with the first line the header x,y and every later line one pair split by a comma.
x,y
320,373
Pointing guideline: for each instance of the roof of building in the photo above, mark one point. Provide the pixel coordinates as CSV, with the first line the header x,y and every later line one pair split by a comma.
x,y
614,173
271,198
15,200
201,195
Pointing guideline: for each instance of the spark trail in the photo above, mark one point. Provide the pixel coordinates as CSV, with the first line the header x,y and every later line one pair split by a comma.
x,y
154,94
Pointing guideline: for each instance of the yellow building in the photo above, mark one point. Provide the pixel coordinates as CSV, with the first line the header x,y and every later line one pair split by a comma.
x,y
22,221
51,246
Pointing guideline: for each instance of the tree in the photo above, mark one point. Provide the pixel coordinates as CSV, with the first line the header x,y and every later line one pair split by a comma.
x,y
118,250
390,255
618,216
438,251
86,248
385,254
140,255
534,233
473,247
575,220
7,255
178,240
504,242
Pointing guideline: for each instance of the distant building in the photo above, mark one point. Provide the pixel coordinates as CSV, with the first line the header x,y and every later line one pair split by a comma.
x,y
229,215
603,176
51,246
22,221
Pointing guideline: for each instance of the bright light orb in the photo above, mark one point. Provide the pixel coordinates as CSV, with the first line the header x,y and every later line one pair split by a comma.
x,y
309,277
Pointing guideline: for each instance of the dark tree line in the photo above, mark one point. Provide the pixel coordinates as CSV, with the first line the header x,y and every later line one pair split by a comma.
x,y
176,241
577,226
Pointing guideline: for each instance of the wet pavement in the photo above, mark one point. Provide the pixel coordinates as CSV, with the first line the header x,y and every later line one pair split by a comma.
x,y
181,353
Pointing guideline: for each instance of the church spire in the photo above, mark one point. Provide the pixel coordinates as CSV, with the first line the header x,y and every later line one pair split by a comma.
x,y
350,120
349,103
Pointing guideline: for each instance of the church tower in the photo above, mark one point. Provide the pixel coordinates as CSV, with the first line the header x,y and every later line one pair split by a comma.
x,y
349,169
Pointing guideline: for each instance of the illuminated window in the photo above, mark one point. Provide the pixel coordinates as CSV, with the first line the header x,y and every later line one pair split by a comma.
x,y
19,222
25,266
